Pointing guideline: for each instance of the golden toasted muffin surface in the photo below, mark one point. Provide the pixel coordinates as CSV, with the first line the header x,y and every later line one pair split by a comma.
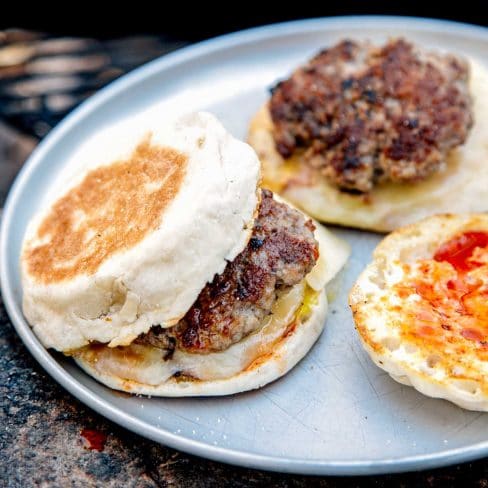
x,y
113,208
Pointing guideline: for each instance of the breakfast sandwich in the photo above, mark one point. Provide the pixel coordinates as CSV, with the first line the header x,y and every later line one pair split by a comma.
x,y
377,137
421,308
162,268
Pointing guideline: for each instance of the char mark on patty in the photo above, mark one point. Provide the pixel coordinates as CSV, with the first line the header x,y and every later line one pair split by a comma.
x,y
363,115
281,252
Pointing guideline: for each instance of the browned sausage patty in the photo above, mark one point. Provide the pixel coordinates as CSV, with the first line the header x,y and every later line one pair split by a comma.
x,y
366,114
281,251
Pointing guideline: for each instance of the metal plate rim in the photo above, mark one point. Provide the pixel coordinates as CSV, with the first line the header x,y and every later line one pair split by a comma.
x,y
103,407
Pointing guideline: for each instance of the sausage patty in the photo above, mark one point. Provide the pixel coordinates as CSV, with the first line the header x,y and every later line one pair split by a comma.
x,y
281,251
363,114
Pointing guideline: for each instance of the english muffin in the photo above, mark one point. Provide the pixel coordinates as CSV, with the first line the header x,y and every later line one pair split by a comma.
x,y
421,308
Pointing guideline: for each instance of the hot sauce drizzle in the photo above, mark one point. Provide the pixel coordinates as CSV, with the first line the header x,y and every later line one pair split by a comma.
x,y
459,249
453,307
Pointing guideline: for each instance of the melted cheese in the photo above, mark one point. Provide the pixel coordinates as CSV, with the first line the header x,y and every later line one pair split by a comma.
x,y
145,364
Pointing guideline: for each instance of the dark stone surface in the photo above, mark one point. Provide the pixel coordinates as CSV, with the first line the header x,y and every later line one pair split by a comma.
x,y
14,149
41,444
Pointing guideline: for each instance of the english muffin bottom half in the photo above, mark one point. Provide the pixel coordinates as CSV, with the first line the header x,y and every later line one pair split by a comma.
x,y
377,137
159,264
421,308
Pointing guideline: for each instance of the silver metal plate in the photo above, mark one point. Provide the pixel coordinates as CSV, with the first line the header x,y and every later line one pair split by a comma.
x,y
335,413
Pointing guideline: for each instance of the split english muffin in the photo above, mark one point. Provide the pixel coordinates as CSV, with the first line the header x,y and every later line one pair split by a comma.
x,y
163,269
377,137
421,308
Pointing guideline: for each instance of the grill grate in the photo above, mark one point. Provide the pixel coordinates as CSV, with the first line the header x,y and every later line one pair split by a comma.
x,y
43,78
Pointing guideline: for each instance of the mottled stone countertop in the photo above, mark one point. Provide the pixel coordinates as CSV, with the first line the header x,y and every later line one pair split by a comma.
x,y
41,425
